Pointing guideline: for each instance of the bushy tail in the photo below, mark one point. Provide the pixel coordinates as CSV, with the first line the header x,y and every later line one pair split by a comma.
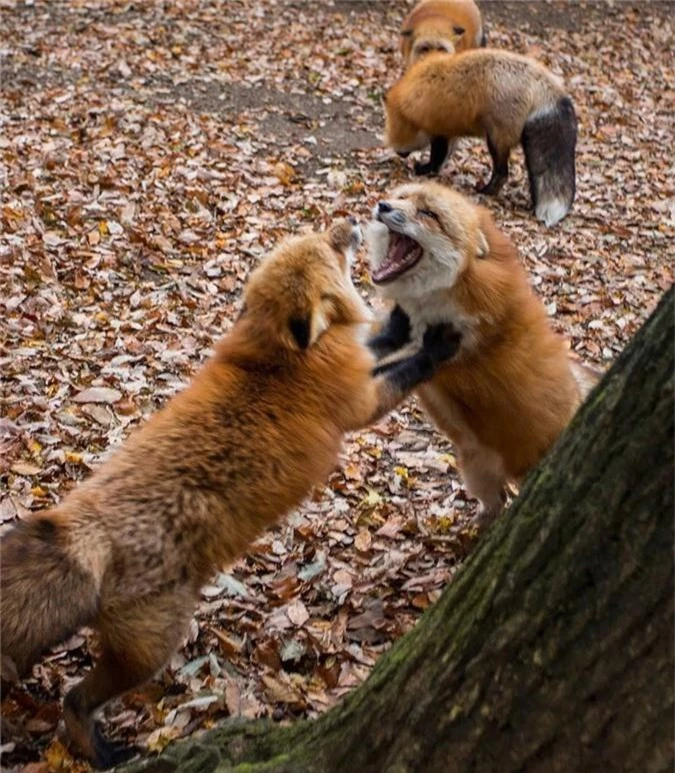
x,y
549,140
45,596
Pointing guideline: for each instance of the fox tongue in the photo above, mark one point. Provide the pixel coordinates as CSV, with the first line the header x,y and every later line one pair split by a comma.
x,y
402,254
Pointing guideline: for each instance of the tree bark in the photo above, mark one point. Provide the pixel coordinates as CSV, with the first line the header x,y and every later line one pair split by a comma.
x,y
552,650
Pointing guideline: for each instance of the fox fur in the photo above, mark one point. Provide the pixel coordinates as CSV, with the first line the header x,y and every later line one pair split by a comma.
x,y
441,25
505,97
511,389
261,423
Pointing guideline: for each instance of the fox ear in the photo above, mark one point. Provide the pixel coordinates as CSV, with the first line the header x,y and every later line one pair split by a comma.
x,y
300,331
306,330
483,245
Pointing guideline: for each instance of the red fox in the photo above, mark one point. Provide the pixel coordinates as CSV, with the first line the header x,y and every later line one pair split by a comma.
x,y
511,389
441,25
507,98
260,424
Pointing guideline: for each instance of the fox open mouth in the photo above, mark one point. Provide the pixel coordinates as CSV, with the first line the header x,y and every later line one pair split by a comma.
x,y
402,255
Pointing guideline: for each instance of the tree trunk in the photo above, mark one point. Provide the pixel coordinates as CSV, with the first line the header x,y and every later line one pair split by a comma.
x,y
552,650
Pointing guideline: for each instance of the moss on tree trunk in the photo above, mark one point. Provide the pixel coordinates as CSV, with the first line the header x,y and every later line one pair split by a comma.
x,y
552,650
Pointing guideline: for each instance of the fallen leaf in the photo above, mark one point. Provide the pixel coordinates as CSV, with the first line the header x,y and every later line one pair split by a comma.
x,y
97,395
297,612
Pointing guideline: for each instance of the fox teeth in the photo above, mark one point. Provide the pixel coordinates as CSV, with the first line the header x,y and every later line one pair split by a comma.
x,y
403,254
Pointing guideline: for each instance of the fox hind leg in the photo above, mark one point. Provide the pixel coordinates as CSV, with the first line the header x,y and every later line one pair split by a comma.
x,y
136,643
485,479
500,167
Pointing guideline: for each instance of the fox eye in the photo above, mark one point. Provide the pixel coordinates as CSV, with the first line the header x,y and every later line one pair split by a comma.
x,y
458,30
428,213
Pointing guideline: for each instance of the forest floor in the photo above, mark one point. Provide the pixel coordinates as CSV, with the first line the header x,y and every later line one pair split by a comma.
x,y
151,153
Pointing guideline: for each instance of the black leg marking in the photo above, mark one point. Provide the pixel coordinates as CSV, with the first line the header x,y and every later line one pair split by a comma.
x,y
439,152
109,755
393,335
405,375
440,343
500,170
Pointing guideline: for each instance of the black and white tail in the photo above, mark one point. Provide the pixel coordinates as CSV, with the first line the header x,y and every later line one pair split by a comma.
x,y
549,140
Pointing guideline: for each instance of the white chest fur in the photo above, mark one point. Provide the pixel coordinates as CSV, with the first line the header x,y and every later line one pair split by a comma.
x,y
435,308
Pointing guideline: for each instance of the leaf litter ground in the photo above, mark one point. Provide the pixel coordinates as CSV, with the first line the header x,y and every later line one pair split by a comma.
x,y
151,153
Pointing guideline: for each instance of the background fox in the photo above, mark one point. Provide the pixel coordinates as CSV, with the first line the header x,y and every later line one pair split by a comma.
x,y
505,97
261,423
510,390
441,25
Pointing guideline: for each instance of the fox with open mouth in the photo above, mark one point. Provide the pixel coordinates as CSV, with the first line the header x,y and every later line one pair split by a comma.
x,y
511,389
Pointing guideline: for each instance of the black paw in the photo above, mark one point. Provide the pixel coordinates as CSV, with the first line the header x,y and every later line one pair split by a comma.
x,y
426,169
394,334
399,326
441,342
108,755
491,187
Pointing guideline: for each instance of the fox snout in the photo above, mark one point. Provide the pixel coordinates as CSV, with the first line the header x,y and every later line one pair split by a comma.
x,y
346,234
385,213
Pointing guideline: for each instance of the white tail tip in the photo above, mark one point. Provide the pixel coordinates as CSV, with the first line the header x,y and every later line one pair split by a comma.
x,y
551,212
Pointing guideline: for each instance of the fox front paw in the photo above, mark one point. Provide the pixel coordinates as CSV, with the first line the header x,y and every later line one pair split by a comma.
x,y
441,342
424,169
491,187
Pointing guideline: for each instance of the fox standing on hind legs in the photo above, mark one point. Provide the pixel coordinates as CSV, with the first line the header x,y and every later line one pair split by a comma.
x,y
511,389
260,424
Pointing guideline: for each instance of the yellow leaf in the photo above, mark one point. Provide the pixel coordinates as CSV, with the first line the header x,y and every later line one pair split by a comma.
x,y
160,738
34,447
73,458
58,758
450,460
372,499
103,228
444,523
